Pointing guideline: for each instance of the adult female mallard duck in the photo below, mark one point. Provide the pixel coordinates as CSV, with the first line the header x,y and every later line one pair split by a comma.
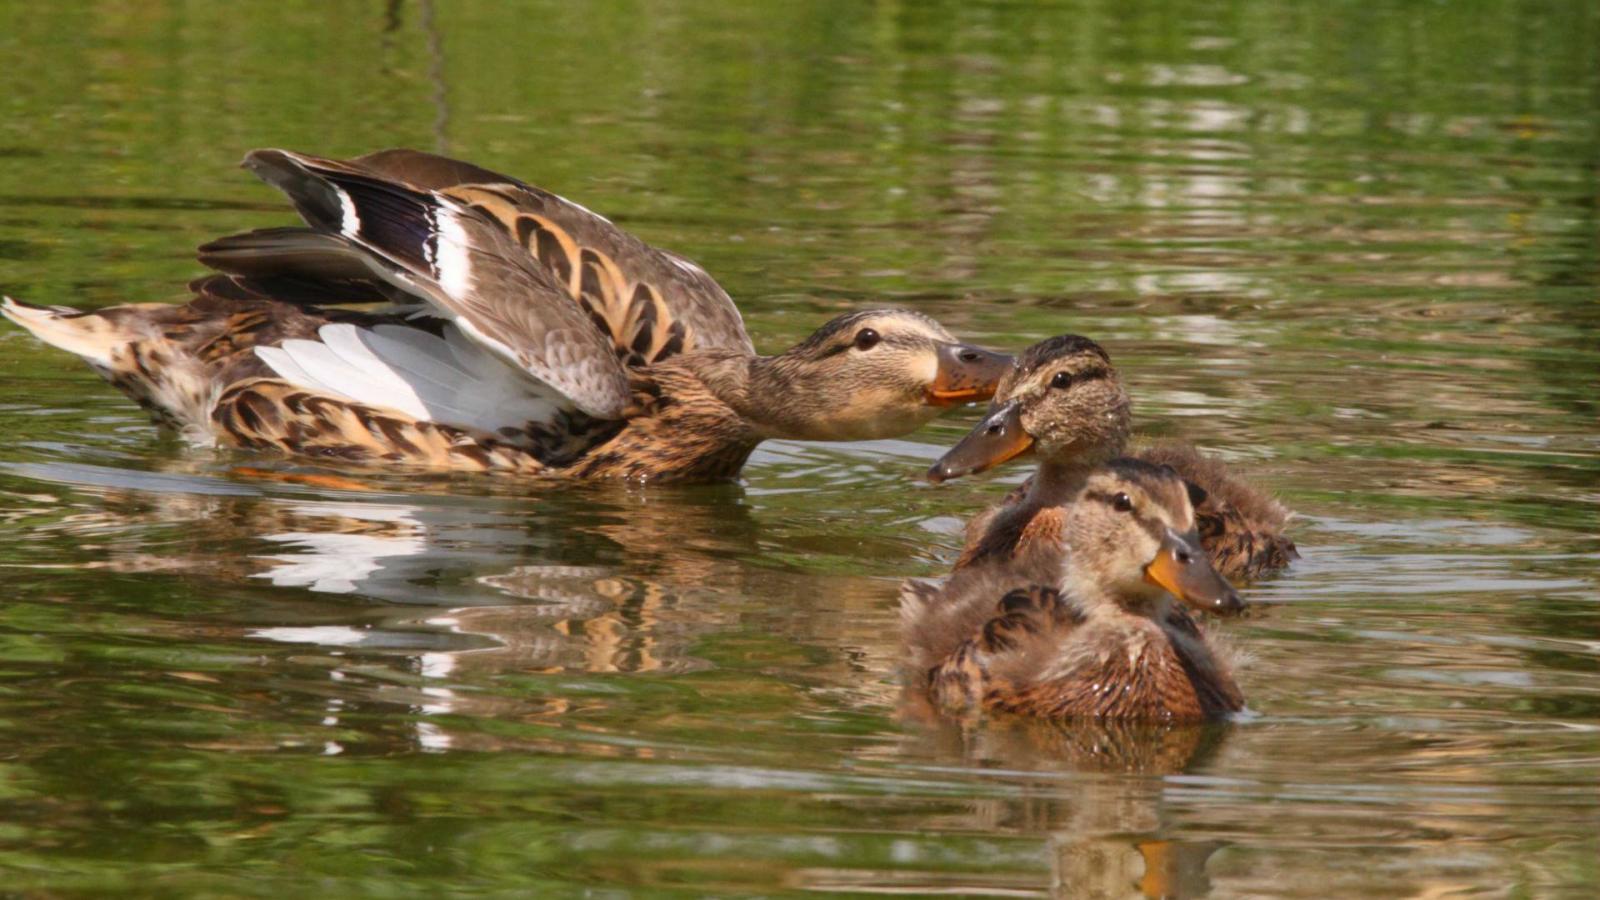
x,y
527,334
1064,402
1084,626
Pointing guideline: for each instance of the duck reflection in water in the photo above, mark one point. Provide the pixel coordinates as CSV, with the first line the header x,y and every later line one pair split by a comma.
x,y
600,593
597,579
1095,790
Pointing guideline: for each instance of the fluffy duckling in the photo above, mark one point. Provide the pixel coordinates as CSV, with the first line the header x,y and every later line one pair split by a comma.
x,y
1087,626
527,334
1064,402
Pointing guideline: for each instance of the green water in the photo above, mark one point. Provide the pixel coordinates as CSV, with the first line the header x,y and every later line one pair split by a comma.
x,y
1352,246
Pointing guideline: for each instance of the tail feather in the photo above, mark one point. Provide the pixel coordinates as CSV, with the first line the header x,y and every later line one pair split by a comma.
x,y
300,252
84,334
127,347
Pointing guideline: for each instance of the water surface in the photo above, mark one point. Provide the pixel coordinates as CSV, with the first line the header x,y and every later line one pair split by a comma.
x,y
1351,246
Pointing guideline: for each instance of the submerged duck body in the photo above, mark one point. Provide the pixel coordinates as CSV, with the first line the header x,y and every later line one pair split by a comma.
x,y
520,333
1087,626
1064,403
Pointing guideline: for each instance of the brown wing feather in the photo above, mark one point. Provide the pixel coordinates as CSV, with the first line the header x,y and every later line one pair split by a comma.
x,y
652,303
463,262
1025,623
1131,668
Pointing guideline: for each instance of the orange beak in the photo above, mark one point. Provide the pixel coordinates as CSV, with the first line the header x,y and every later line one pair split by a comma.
x,y
998,438
1183,569
966,373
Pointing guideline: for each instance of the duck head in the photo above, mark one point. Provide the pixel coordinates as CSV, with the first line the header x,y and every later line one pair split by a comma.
x,y
1131,541
866,375
1062,401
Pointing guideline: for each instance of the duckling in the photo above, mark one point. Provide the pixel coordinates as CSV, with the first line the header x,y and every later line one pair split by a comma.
x,y
1064,402
1084,626
523,333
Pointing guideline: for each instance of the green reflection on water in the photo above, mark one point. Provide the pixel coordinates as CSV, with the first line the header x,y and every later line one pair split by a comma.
x,y
1351,245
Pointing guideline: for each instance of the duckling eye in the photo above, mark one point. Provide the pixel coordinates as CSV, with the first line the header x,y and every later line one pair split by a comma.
x,y
1122,503
1061,380
866,339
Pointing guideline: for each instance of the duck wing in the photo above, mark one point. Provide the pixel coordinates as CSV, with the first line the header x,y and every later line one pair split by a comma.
x,y
465,266
1001,661
650,303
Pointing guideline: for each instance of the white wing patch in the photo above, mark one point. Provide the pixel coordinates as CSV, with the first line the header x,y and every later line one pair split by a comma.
x,y
450,380
349,220
453,254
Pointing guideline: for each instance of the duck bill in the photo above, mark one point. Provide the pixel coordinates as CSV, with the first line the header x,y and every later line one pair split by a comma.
x,y
966,373
1183,569
998,438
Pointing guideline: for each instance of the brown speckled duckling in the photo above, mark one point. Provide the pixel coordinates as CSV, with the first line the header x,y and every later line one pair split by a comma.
x,y
527,335
1065,403
1085,626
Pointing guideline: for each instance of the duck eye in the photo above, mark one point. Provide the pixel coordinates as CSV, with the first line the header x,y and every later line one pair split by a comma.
x,y
866,339
1061,380
1122,503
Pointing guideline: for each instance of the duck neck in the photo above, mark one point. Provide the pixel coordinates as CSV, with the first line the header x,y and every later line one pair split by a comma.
x,y
684,426
1056,483
769,393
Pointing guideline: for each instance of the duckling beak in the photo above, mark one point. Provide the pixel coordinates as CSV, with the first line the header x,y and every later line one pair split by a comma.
x,y
1183,569
966,373
997,438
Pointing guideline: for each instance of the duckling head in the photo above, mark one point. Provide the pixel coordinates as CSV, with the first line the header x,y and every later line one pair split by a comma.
x,y
1131,540
1062,400
864,375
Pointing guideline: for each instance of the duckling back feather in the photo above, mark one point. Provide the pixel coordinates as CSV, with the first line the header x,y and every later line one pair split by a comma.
x,y
936,619
1241,526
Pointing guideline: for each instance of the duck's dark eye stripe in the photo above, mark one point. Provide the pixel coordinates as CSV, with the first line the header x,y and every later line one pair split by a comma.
x,y
884,340
1155,527
1066,380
